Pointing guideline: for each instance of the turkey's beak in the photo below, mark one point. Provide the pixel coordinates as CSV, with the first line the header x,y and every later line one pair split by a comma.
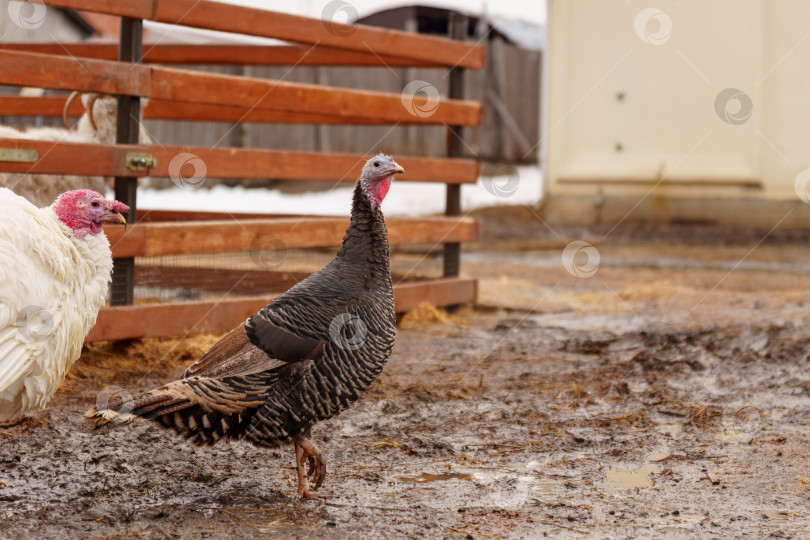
x,y
115,213
396,170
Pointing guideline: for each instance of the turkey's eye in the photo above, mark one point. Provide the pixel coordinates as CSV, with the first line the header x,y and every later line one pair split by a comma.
x,y
95,204
376,163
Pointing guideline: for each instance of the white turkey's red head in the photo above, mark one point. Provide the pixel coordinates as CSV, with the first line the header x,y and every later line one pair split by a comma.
x,y
376,178
85,211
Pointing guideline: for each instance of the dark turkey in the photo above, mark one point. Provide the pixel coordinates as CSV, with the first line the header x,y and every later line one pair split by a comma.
x,y
303,358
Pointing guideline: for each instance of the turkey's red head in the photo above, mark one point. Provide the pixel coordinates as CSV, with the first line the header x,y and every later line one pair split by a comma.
x,y
85,211
376,179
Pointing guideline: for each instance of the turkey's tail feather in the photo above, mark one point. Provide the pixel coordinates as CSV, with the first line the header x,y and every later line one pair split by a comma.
x,y
199,409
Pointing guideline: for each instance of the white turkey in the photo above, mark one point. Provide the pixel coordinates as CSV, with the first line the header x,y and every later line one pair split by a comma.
x,y
55,264
301,359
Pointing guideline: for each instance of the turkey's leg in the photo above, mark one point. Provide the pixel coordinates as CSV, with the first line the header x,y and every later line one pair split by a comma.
x,y
306,451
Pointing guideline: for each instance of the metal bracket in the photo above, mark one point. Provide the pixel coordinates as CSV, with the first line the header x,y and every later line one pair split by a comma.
x,y
18,155
138,161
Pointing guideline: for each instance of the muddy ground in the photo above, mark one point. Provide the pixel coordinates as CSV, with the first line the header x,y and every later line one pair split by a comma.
x,y
666,395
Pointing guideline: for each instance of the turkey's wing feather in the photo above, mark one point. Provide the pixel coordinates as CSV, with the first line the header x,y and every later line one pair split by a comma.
x,y
231,356
15,357
280,343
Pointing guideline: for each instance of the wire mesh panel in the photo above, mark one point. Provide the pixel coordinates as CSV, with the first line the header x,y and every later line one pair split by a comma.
x,y
205,276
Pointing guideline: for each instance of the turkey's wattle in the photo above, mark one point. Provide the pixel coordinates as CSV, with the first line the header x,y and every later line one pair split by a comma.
x,y
55,264
382,190
301,359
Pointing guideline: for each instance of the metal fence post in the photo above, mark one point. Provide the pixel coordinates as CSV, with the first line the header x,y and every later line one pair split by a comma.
x,y
130,49
455,149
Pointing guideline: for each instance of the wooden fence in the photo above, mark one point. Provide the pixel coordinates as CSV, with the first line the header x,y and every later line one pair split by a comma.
x,y
178,94
509,87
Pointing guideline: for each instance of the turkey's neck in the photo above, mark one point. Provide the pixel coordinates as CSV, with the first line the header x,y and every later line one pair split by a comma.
x,y
93,260
366,240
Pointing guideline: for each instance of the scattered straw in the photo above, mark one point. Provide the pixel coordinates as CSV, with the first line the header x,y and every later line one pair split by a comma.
x,y
425,314
704,417
547,522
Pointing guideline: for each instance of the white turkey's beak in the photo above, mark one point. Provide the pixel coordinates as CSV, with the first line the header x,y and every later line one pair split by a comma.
x,y
396,170
115,213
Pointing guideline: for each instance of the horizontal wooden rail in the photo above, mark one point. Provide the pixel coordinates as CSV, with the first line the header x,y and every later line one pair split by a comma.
x,y
224,54
66,73
294,28
146,215
174,110
183,318
71,158
235,234
190,165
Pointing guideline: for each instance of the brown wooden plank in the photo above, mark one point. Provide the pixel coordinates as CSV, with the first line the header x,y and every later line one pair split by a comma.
x,y
194,237
207,112
225,54
66,73
198,112
99,160
71,158
38,106
439,292
127,242
284,165
182,318
431,230
293,28
138,9
217,89
297,29
173,110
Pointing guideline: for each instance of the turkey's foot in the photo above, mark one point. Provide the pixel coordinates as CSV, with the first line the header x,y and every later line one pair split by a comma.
x,y
309,463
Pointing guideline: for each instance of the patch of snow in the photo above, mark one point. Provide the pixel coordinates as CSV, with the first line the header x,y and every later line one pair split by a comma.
x,y
522,186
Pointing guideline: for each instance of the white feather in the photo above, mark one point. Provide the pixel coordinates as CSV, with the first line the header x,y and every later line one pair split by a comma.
x,y
45,270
